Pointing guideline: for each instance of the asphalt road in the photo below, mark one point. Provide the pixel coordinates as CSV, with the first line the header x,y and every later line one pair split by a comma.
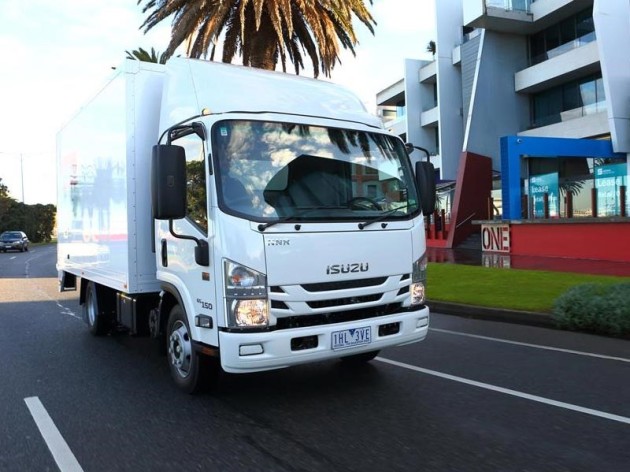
x,y
475,396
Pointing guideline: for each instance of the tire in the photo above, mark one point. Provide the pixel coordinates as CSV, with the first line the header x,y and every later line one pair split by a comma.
x,y
357,359
97,321
192,372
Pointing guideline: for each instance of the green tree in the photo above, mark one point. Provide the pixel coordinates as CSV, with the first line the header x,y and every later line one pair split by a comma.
x,y
263,32
432,47
37,221
4,190
146,56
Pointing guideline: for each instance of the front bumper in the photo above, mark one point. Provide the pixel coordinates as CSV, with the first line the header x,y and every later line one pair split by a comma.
x,y
5,246
276,345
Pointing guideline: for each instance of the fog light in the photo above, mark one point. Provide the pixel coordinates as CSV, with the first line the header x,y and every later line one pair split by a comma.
x,y
250,349
422,322
251,312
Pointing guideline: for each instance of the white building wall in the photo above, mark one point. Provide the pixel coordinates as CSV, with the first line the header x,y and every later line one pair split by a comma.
x,y
495,109
449,20
413,99
612,25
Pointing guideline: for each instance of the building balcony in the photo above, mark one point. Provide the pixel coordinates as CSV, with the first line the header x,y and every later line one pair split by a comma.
x,y
392,95
397,126
583,122
573,64
519,16
508,16
430,118
428,73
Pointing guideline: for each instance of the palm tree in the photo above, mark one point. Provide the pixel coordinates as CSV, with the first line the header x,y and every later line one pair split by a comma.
x,y
263,32
143,55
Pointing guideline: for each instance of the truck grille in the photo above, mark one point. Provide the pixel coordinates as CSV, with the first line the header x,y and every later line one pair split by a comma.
x,y
336,302
337,317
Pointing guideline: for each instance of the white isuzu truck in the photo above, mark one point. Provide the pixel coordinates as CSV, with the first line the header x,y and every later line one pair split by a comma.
x,y
251,220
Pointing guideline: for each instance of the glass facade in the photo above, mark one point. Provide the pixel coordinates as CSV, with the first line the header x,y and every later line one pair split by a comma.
x,y
568,101
567,185
510,5
569,34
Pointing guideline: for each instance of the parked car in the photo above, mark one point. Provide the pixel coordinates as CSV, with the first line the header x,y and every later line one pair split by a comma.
x,y
13,240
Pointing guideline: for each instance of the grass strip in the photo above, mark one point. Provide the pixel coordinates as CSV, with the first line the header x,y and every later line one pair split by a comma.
x,y
514,289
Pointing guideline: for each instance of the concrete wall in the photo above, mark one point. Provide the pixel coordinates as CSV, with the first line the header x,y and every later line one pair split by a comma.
x,y
449,20
495,109
612,25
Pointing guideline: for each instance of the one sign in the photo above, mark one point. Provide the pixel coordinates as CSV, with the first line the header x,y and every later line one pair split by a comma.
x,y
495,238
608,179
539,185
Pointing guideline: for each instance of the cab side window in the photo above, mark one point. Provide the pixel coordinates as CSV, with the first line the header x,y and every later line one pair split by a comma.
x,y
197,201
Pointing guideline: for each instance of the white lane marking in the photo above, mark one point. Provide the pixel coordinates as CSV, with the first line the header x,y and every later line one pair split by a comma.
x,y
537,346
58,447
67,311
11,258
507,391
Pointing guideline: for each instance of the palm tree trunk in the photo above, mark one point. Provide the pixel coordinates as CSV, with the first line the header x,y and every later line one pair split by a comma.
x,y
263,46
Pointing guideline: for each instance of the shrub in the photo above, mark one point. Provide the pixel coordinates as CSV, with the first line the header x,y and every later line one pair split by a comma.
x,y
597,308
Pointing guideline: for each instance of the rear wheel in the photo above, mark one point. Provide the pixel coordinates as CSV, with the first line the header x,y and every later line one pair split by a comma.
x,y
359,358
97,320
191,371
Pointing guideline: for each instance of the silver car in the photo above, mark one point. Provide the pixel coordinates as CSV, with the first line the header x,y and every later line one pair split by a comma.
x,y
13,240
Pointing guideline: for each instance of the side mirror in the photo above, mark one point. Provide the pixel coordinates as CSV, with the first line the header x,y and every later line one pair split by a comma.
x,y
425,180
168,182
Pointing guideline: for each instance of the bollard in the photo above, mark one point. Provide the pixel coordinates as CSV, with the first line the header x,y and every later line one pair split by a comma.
x,y
443,216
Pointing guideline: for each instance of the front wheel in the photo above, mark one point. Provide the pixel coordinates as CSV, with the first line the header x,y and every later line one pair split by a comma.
x,y
191,371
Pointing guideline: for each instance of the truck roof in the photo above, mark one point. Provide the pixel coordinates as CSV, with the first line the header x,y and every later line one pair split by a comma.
x,y
194,84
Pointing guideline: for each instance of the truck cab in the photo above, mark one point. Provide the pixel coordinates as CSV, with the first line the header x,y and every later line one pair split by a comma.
x,y
312,224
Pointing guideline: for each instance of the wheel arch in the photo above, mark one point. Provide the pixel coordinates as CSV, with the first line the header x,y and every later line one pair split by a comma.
x,y
169,297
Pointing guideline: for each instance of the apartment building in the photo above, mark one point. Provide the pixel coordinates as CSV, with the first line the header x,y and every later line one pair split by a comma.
x,y
541,71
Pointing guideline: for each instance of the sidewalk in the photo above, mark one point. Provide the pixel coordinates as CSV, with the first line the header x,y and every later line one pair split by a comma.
x,y
478,258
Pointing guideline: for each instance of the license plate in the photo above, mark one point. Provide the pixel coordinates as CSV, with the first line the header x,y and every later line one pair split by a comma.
x,y
351,337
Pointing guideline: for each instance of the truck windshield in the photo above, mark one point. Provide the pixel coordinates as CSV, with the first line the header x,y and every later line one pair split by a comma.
x,y
269,171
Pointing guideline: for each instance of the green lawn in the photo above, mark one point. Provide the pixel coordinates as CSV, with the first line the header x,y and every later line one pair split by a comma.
x,y
529,290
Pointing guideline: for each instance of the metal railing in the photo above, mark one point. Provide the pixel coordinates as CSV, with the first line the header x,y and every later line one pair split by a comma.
x,y
511,5
566,47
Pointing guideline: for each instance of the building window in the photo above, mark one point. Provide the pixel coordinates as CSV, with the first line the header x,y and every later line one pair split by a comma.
x,y
568,101
556,179
569,34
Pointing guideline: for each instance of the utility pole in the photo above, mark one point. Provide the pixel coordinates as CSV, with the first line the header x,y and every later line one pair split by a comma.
x,y
22,174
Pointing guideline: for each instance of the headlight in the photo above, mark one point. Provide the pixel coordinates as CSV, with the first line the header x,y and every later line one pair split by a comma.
x,y
250,312
418,281
246,300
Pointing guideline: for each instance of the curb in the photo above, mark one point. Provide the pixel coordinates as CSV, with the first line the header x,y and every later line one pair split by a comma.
x,y
492,314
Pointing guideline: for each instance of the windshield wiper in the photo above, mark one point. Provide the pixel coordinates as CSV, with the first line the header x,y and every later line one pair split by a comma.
x,y
382,217
298,215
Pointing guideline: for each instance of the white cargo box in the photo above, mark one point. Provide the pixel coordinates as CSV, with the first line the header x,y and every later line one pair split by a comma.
x,y
104,225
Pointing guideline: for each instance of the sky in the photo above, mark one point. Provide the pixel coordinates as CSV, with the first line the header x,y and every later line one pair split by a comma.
x,y
58,54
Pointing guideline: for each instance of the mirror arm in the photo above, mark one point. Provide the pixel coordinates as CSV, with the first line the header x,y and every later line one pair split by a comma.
x,y
202,254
